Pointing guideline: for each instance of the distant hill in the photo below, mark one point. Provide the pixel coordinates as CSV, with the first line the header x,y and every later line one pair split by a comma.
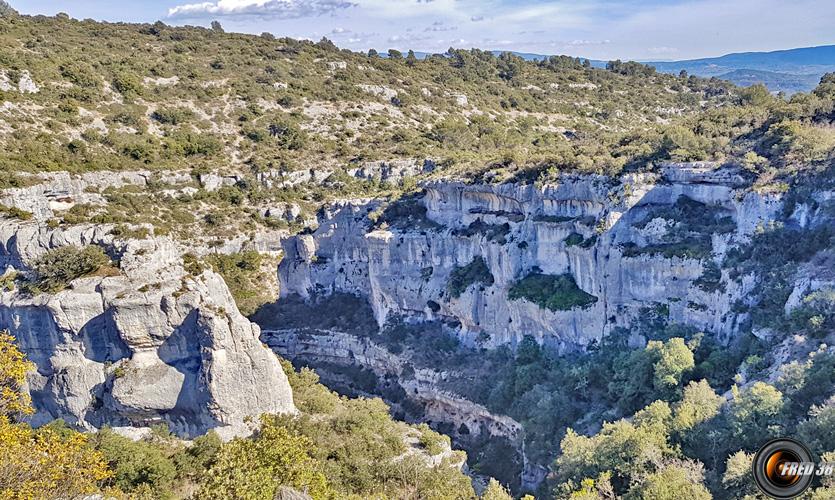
x,y
789,70
808,60
776,82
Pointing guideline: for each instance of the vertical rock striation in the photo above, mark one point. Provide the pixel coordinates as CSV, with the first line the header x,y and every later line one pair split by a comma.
x,y
604,233
152,344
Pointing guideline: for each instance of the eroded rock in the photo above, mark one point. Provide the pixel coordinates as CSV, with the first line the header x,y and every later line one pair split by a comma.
x,y
152,344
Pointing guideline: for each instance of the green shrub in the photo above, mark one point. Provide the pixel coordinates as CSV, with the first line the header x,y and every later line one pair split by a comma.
x,y
126,232
15,212
138,467
557,293
246,280
573,239
431,441
127,84
493,232
188,143
287,134
257,467
55,269
406,213
462,277
172,116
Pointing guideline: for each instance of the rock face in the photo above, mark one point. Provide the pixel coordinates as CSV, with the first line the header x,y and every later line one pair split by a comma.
x,y
607,234
341,348
464,419
392,172
62,190
151,344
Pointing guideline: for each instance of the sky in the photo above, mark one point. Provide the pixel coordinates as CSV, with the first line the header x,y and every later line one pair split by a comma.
x,y
598,29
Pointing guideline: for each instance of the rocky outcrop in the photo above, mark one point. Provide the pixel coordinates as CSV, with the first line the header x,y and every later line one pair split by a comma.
x,y
421,385
280,178
424,386
150,344
600,231
24,85
213,182
394,171
61,190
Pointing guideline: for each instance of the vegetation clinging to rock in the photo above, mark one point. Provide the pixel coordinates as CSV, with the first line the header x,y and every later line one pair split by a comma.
x,y
55,269
462,278
554,292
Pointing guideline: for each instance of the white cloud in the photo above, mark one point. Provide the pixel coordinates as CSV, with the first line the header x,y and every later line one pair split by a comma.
x,y
439,26
584,43
283,9
408,37
662,50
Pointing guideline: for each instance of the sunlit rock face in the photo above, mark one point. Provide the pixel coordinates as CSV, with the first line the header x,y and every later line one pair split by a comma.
x,y
151,344
614,237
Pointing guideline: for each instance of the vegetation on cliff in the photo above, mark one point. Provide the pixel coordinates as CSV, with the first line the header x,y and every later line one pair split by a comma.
x,y
557,293
55,269
463,277
336,448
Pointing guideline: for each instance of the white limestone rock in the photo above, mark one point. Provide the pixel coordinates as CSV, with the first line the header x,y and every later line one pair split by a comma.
x,y
401,270
213,182
26,85
150,345
392,172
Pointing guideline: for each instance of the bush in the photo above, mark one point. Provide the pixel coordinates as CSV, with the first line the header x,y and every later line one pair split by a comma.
x,y
493,232
257,467
186,143
245,279
138,467
431,441
15,212
287,134
173,116
55,269
462,277
574,239
127,84
556,293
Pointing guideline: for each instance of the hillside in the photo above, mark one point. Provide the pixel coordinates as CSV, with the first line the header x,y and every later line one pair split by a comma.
x,y
776,82
597,282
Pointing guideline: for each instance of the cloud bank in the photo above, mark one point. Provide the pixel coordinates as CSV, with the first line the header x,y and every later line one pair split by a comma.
x,y
281,9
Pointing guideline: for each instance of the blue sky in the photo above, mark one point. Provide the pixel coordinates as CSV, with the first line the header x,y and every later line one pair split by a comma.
x,y
600,29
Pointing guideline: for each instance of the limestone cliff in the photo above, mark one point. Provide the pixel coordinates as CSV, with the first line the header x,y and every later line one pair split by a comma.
x,y
614,237
152,344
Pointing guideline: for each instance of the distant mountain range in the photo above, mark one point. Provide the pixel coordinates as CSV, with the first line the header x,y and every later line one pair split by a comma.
x,y
792,70
789,71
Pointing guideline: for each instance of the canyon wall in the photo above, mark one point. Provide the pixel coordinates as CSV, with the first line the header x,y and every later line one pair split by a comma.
x,y
600,231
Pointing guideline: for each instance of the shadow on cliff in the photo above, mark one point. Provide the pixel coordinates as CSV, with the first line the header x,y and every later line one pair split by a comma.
x,y
345,312
182,351
40,338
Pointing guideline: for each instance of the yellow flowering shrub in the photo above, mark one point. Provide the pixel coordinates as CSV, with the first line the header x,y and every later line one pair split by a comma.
x,y
13,368
50,462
